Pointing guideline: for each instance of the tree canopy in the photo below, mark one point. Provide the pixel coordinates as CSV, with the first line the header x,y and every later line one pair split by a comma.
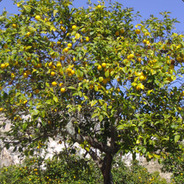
x,y
90,75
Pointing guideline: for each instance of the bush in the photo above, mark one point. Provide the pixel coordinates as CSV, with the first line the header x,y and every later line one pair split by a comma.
x,y
135,174
175,163
72,169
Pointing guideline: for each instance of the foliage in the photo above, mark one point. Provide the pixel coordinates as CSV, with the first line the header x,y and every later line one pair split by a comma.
x,y
90,76
81,171
175,163
135,174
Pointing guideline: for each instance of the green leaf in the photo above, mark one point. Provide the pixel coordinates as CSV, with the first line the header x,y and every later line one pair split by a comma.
x,y
71,87
101,118
24,126
35,112
54,12
49,102
94,115
120,127
176,138
93,102
107,73
55,98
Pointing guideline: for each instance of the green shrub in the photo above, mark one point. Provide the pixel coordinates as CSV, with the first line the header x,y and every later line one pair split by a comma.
x,y
175,163
69,169
135,174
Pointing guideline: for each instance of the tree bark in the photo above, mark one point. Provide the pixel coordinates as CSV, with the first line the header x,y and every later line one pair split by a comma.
x,y
106,168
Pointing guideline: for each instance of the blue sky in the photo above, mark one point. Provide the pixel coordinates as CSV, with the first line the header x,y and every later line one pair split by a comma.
x,y
146,7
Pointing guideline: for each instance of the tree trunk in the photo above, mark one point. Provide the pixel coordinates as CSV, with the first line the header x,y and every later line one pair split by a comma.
x,y
106,169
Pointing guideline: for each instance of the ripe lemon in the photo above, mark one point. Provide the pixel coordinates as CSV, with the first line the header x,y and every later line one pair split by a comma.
x,y
87,39
66,49
100,79
37,17
52,73
145,41
69,45
54,83
62,90
63,29
77,36
28,34
139,59
137,31
74,59
72,72
142,77
139,86
104,65
3,66
131,56
99,67
59,65
99,6
74,27
14,25
25,74
182,93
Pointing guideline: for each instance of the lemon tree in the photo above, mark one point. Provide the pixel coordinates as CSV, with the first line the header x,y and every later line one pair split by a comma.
x,y
89,75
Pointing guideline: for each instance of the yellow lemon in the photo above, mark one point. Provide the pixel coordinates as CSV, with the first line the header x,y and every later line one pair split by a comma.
x,y
137,31
131,56
28,34
59,64
144,41
3,66
14,25
100,79
142,77
74,27
139,59
104,65
63,29
62,90
77,36
25,74
52,73
66,49
69,45
12,75
87,39
37,17
99,67
54,83
72,72
74,59
99,6
139,86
